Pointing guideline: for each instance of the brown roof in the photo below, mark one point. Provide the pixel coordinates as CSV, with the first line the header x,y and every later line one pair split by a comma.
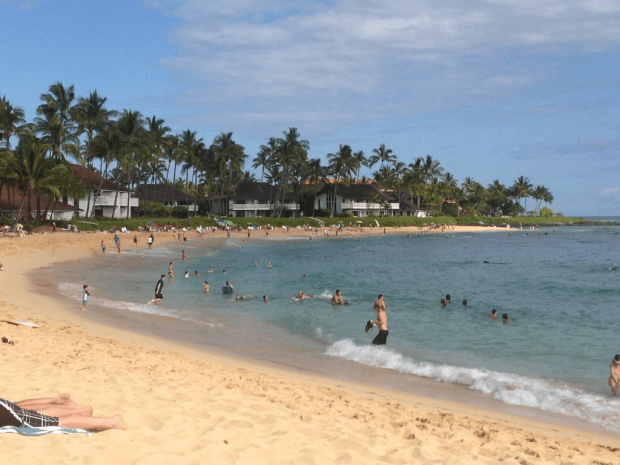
x,y
17,196
92,179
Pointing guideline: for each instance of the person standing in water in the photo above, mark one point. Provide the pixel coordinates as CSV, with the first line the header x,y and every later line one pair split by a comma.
x,y
381,338
158,288
614,377
85,295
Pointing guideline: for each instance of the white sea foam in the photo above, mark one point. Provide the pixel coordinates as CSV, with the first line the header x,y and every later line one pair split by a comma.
x,y
510,388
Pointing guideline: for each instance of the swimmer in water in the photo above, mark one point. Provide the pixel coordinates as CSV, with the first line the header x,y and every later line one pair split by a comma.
x,y
505,318
464,302
337,298
187,274
242,297
183,255
303,275
171,270
269,265
206,286
302,296
493,314
265,298
210,270
196,273
448,299
255,264
223,271
442,303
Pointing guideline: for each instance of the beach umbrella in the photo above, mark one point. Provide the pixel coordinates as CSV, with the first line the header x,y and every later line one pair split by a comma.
x,y
359,221
150,223
229,223
378,225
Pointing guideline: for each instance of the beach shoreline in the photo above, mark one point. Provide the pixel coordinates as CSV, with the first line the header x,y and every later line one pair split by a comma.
x,y
21,257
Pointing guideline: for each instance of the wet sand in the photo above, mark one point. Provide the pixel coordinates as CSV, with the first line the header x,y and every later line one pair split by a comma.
x,y
191,405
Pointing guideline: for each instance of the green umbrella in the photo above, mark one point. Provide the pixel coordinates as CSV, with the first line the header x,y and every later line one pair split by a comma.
x,y
229,223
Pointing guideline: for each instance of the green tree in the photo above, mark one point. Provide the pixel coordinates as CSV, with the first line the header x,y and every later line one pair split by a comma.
x,y
341,165
11,120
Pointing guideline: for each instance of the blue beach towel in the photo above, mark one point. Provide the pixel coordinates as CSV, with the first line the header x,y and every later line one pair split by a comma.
x,y
27,431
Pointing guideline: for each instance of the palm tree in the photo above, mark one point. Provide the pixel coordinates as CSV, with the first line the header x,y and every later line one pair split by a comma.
x,y
290,155
187,145
92,117
523,189
11,119
229,157
383,155
360,160
541,194
265,156
431,169
341,165
62,142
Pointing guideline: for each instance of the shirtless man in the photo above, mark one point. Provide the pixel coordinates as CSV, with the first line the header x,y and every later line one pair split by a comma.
x,y
206,286
493,314
171,270
381,338
337,298
302,296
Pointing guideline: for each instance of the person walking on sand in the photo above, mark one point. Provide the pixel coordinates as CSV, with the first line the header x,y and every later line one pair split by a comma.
x,y
103,247
150,240
381,338
85,295
158,288
614,377
135,239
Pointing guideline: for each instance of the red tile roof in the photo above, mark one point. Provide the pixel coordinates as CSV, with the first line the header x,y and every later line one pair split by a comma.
x,y
18,195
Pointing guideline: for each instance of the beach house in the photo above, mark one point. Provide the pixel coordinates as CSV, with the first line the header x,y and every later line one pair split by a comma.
x,y
105,198
253,199
168,196
33,205
362,199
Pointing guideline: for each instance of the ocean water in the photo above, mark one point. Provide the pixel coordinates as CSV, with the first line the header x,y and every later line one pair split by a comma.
x,y
559,286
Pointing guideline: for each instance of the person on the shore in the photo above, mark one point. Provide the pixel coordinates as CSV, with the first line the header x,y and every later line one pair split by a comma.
x,y
302,296
171,270
337,298
103,247
85,295
54,411
448,299
206,286
183,255
135,239
150,240
158,288
381,338
493,314
614,377
505,318
117,241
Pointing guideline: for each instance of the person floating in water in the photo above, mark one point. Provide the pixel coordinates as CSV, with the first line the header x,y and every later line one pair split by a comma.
x,y
302,296
381,338
614,377
448,299
505,318
493,314
242,297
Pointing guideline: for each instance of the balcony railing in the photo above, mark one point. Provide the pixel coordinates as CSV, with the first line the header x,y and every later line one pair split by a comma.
x,y
121,201
260,206
367,206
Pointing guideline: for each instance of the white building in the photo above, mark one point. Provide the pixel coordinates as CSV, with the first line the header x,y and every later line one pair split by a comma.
x,y
361,199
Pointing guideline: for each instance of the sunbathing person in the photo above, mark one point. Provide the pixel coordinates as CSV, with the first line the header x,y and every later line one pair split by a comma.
x,y
54,411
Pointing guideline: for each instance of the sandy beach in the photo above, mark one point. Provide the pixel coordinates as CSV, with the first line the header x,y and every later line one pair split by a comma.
x,y
191,406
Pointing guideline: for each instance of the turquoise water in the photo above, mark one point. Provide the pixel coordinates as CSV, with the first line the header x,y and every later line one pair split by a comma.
x,y
559,288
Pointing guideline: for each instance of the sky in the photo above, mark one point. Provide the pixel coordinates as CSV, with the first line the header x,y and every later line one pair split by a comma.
x,y
492,89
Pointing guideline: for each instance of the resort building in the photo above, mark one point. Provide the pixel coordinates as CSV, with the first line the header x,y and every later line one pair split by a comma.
x,y
167,195
254,199
33,205
104,198
360,198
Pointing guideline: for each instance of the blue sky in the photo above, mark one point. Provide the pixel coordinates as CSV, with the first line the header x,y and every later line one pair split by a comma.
x,y
493,89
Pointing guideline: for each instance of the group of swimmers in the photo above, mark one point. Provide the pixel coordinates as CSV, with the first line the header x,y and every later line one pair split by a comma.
x,y
492,315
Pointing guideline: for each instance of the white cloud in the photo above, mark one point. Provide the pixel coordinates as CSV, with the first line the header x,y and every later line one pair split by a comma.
x,y
611,193
351,61
24,5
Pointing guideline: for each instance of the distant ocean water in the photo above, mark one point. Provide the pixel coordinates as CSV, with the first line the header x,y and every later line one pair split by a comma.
x,y
560,287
